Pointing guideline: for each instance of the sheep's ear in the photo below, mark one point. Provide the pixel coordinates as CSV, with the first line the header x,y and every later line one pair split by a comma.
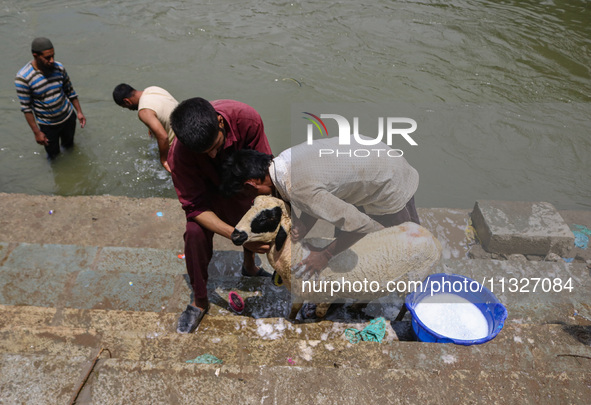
x,y
280,238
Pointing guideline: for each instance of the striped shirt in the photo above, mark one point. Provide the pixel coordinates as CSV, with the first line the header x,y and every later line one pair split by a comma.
x,y
48,97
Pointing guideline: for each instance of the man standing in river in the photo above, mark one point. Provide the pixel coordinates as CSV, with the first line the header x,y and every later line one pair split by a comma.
x,y
48,99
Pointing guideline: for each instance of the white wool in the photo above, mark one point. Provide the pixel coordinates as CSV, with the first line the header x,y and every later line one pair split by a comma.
x,y
383,256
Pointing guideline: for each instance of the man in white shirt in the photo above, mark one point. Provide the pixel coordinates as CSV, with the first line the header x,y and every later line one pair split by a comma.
x,y
154,106
358,195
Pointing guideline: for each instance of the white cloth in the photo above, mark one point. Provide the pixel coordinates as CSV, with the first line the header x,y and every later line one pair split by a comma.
x,y
331,186
162,103
279,171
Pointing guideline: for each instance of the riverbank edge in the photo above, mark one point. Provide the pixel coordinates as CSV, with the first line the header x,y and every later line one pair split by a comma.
x,y
154,222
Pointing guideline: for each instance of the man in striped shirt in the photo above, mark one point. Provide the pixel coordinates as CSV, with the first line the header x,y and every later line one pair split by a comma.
x,y
48,99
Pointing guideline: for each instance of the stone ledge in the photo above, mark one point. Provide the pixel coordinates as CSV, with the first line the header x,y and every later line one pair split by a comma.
x,y
528,228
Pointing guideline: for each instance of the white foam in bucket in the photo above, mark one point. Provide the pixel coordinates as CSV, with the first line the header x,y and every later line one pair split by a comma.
x,y
452,316
450,308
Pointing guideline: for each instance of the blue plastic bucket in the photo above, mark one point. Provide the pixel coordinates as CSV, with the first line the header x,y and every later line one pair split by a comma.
x,y
466,289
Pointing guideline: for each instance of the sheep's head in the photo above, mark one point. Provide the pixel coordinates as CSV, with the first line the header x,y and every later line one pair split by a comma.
x,y
266,221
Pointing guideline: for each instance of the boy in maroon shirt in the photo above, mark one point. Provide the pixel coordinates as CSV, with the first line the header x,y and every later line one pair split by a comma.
x,y
206,133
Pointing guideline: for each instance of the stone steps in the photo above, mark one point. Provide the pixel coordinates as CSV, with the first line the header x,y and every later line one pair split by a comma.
x,y
153,280
520,299
49,379
524,352
60,304
273,342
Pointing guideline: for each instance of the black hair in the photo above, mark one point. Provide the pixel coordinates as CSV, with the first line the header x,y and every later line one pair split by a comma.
x,y
241,166
195,124
122,91
40,45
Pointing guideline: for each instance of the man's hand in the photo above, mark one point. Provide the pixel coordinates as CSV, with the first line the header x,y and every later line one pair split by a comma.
x,y
41,139
82,119
301,226
298,230
79,113
156,130
257,247
312,265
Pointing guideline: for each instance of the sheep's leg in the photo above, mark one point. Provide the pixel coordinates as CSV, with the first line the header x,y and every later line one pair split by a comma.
x,y
321,309
401,313
295,308
359,306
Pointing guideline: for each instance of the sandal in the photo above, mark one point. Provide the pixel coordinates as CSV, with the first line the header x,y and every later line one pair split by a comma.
x,y
190,319
236,302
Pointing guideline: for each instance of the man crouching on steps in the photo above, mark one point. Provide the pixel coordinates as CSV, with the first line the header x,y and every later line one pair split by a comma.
x,y
356,195
206,133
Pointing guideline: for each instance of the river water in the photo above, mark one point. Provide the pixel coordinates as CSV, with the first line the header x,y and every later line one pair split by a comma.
x,y
508,83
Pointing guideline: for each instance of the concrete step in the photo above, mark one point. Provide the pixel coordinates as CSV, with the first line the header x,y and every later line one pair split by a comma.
x,y
49,379
40,379
128,300
113,278
528,228
522,347
132,222
513,283
154,280
274,342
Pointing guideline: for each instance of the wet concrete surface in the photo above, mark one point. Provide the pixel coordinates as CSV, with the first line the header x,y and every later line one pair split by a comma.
x,y
78,274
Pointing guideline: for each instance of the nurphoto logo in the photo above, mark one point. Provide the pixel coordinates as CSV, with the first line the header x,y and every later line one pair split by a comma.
x,y
392,127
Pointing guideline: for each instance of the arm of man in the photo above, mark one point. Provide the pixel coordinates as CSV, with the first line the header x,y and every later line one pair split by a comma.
x,y
71,94
317,260
24,94
79,113
301,226
322,204
353,223
40,137
209,220
149,118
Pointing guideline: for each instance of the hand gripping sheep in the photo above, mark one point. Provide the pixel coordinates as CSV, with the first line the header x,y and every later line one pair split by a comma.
x,y
367,270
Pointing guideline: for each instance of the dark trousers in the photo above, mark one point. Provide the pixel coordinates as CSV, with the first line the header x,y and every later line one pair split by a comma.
x,y
407,214
62,133
199,242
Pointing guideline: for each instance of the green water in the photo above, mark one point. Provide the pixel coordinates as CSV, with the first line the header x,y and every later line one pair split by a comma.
x,y
509,80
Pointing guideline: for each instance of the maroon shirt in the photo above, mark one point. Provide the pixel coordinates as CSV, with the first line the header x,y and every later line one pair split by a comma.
x,y
196,176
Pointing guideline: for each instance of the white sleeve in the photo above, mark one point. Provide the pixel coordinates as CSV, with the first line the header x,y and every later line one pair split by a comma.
x,y
324,205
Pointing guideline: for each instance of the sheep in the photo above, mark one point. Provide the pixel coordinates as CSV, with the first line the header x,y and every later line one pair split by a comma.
x,y
383,256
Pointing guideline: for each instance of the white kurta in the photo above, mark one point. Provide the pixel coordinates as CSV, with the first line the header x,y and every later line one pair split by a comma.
x,y
332,187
